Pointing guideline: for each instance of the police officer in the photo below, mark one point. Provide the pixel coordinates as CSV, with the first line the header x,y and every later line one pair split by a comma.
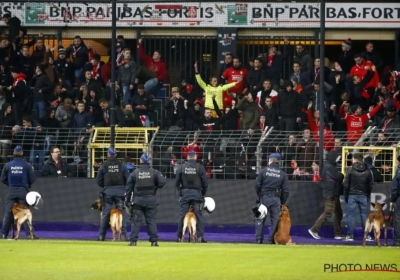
x,y
142,185
395,202
272,189
18,175
112,176
192,183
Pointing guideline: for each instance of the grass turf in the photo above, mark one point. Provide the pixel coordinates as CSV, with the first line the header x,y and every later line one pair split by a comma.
x,y
58,260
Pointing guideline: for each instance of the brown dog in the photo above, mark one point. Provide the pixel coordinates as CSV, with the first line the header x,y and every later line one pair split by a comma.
x,y
115,219
376,220
21,213
282,236
190,222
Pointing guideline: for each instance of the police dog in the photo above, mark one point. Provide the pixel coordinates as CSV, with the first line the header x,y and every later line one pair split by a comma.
x,y
190,222
21,214
115,219
282,236
376,220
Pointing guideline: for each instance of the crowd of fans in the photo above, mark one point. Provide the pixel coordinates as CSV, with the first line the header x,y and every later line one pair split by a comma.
x,y
68,87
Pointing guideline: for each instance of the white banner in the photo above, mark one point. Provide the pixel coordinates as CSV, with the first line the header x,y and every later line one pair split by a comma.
x,y
197,14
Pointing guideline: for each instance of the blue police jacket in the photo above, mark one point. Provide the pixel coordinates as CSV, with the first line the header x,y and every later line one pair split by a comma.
x,y
271,179
202,174
18,173
159,179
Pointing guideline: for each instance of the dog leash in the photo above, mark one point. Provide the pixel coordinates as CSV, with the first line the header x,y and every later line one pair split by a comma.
x,y
391,219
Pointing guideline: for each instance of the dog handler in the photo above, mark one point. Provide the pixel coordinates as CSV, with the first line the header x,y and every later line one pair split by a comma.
x,y
112,177
143,183
192,183
395,202
18,175
332,188
273,190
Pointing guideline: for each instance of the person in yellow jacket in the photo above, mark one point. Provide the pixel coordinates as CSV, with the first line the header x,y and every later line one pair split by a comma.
x,y
213,89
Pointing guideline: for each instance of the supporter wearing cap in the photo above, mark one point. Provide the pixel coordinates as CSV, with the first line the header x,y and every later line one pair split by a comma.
x,y
391,121
346,58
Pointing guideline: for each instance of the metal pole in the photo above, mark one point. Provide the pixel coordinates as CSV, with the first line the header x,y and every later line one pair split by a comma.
x,y
322,87
397,50
113,69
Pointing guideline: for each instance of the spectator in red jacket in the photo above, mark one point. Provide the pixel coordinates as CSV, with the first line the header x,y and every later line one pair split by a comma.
x,y
313,123
356,120
154,64
360,70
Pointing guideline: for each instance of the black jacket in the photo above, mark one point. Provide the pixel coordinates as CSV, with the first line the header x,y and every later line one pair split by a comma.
x,y
43,83
80,55
359,180
289,104
346,61
332,179
50,169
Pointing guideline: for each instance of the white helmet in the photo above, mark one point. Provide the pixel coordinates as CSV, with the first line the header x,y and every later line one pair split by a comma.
x,y
209,204
260,211
34,199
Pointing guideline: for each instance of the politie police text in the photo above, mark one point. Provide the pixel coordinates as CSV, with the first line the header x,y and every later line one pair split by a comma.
x,y
144,175
190,170
17,169
273,172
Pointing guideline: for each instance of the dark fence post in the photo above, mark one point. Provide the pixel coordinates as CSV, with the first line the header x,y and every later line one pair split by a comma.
x,y
397,50
138,36
59,37
316,43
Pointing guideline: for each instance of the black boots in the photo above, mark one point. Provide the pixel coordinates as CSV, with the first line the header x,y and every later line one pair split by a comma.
x,y
133,243
201,240
100,238
259,241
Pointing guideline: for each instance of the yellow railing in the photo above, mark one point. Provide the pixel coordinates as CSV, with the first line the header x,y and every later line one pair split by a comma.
x,y
129,142
352,149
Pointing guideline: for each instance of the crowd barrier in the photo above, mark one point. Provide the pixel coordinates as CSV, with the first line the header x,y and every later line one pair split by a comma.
x,y
69,200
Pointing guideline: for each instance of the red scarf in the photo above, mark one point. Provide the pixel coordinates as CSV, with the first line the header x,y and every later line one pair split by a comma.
x,y
386,124
91,54
316,71
143,119
119,60
76,50
95,70
262,127
270,59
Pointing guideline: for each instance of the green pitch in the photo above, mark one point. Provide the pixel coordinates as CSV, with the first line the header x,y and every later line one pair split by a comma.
x,y
58,260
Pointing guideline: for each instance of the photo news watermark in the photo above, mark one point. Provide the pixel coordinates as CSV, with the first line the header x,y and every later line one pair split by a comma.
x,y
357,267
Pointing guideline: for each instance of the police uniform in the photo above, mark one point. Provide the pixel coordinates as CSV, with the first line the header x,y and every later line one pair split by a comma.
x,y
18,175
112,176
142,185
272,189
192,182
395,199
